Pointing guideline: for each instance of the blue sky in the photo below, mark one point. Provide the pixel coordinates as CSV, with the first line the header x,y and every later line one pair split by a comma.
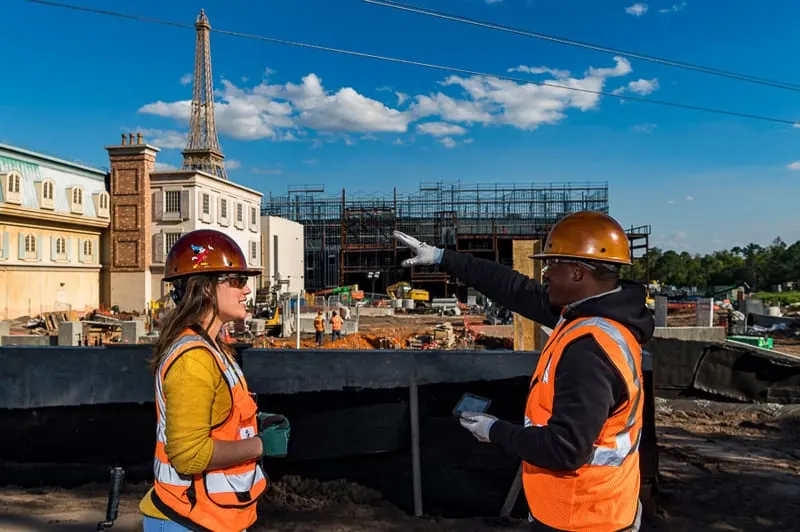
x,y
291,116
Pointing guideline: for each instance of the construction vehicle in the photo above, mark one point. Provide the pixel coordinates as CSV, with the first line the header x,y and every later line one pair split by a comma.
x,y
347,293
268,307
403,290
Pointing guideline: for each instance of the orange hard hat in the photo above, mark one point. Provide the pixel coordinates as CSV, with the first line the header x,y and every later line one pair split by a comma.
x,y
205,251
587,235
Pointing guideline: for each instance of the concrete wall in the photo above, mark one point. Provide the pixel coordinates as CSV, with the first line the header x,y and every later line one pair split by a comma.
x,y
698,334
283,248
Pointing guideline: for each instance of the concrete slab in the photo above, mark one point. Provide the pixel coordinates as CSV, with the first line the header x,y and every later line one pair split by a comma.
x,y
72,376
695,334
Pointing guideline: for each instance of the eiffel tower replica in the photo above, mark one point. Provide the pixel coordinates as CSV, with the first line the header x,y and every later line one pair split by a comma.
x,y
202,147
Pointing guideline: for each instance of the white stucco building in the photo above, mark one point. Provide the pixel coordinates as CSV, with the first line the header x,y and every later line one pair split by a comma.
x,y
283,251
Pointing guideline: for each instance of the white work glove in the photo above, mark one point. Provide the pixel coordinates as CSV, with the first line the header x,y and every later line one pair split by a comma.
x,y
478,424
424,254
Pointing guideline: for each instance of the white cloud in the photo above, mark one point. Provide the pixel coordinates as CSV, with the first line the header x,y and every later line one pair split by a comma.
x,y
490,2
232,164
643,128
448,142
674,8
295,111
165,139
440,129
689,198
637,9
794,166
555,72
186,79
671,202
642,87
164,167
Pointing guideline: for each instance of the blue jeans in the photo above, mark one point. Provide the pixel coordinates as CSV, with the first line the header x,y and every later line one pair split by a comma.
x,y
151,524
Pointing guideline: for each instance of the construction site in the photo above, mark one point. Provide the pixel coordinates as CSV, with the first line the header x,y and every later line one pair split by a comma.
x,y
348,237
374,443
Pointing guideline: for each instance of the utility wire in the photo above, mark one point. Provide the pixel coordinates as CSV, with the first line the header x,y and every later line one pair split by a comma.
x,y
419,63
580,44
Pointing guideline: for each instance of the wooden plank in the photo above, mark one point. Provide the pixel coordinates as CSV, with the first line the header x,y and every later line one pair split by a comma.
x,y
526,332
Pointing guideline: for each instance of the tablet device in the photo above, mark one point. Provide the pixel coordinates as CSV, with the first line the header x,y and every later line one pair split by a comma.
x,y
471,403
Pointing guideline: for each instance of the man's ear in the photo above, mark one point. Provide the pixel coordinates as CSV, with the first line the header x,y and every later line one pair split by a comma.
x,y
578,273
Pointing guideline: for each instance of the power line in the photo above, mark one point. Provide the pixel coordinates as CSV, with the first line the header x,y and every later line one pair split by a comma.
x,y
418,63
590,46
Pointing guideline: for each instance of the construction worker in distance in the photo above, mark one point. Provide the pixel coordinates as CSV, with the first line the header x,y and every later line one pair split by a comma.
x,y
583,417
319,328
336,326
210,437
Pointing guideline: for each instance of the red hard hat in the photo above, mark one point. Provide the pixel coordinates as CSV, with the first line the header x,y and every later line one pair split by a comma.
x,y
205,251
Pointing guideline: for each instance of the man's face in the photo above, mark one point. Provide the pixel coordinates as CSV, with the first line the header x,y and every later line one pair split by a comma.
x,y
561,276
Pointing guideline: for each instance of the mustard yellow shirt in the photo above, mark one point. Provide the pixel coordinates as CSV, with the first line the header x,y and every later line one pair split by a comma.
x,y
197,398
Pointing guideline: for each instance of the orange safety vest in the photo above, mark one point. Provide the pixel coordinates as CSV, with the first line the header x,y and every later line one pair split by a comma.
x,y
220,499
603,494
319,324
336,323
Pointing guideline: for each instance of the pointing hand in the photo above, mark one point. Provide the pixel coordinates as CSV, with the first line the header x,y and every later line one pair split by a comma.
x,y
424,254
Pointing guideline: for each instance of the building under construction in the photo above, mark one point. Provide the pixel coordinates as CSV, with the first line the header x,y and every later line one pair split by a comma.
x,y
347,237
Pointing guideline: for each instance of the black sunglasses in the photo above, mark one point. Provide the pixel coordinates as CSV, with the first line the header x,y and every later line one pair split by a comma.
x,y
234,280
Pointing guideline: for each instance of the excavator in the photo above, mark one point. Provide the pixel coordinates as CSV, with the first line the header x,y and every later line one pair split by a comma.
x,y
403,290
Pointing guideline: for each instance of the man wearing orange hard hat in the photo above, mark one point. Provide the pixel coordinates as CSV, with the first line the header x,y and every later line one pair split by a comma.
x,y
583,417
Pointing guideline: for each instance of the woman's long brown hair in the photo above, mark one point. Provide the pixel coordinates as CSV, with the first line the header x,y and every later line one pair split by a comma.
x,y
198,301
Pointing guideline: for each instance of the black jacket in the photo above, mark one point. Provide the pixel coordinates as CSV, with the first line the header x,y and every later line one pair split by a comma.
x,y
588,387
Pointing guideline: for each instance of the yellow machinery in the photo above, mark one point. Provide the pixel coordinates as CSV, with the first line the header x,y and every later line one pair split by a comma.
x,y
403,290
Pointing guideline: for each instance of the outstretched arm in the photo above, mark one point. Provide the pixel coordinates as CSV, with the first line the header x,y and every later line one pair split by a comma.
x,y
515,291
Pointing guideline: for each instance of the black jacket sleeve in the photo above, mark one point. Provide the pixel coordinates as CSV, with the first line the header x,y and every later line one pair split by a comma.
x,y
506,286
588,389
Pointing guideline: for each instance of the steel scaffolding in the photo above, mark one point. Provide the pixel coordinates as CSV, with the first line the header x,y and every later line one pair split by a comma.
x,y
348,236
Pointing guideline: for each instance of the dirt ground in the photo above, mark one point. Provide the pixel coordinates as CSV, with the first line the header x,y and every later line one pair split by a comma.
x,y
733,468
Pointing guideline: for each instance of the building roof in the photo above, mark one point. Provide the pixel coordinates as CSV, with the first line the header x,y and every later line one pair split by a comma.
x,y
35,168
50,161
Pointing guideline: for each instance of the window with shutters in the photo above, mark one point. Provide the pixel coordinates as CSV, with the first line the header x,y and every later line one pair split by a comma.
x,y
253,216
46,193
253,252
14,180
30,246
206,203
60,248
239,213
169,241
76,199
87,248
172,201
12,187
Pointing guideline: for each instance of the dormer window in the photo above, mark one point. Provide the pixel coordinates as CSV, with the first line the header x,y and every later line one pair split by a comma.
x,y
12,187
75,199
101,202
14,183
45,190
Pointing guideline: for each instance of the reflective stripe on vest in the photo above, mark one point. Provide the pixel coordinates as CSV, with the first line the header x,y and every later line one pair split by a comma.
x,y
601,495
215,499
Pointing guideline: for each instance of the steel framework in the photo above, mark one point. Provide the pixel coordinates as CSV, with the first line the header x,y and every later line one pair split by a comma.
x,y
203,151
346,237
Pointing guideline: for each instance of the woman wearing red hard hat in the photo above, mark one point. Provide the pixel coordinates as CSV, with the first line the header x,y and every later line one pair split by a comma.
x,y
209,436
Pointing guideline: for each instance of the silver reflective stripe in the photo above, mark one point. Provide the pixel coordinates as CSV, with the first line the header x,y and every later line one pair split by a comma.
x,y
625,442
221,483
166,474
